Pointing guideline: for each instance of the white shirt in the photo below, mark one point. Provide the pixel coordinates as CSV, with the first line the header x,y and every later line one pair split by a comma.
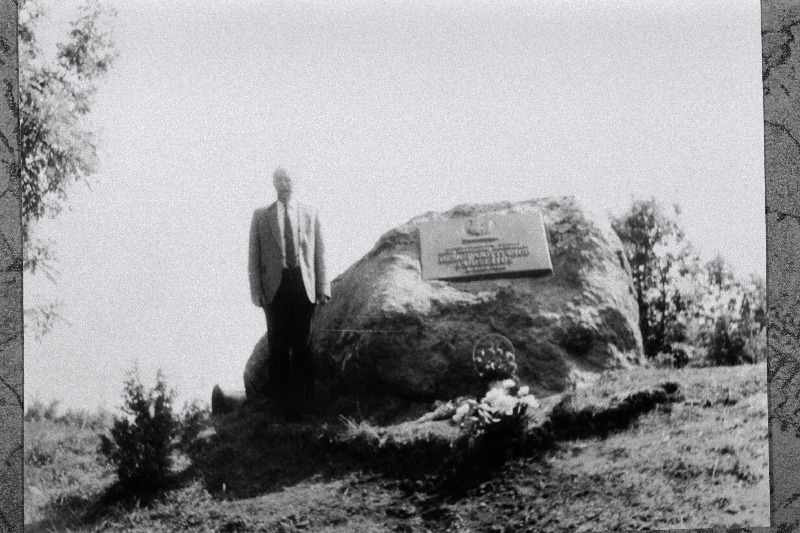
x,y
294,217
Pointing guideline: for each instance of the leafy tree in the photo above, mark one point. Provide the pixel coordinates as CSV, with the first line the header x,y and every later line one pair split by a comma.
x,y
719,273
682,300
58,141
663,266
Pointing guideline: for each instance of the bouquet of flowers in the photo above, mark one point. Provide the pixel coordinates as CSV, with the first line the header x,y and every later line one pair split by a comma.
x,y
504,398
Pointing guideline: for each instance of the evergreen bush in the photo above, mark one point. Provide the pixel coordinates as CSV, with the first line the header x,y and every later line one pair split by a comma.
x,y
194,419
141,444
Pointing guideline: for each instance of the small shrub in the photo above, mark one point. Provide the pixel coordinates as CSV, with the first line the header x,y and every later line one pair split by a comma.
x,y
141,444
727,344
664,360
755,347
39,411
676,356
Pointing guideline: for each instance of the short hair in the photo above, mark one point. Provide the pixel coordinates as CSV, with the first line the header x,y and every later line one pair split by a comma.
x,y
280,172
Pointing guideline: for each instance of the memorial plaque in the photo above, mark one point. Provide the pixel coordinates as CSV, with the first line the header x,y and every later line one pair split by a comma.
x,y
489,245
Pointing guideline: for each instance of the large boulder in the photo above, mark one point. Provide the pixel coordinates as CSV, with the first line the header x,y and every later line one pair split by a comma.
x,y
256,370
388,331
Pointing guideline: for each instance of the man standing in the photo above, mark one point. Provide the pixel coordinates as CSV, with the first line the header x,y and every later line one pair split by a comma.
x,y
287,279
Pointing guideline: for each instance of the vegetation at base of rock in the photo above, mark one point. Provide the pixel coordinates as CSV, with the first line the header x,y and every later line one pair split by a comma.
x,y
699,459
568,423
446,442
451,458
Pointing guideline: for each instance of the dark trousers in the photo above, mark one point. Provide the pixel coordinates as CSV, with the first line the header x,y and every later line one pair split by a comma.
x,y
290,366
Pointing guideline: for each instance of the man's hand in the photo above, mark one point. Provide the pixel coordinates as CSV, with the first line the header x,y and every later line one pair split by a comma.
x,y
322,299
258,301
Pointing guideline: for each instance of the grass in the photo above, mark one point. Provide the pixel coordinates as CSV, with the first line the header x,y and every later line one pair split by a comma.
x,y
63,471
695,463
696,457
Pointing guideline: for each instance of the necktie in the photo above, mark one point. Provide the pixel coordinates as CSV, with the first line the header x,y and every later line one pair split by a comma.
x,y
291,260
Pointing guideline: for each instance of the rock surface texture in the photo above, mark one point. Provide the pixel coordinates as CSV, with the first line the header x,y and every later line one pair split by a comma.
x,y
387,330
255,371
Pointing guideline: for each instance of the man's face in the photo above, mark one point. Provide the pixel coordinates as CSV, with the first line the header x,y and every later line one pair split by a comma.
x,y
283,186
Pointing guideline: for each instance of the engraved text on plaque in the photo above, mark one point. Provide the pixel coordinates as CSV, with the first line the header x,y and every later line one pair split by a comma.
x,y
486,245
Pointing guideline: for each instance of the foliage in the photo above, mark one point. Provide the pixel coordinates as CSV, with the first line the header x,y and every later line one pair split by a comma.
x,y
678,356
41,318
193,420
731,316
140,445
465,424
662,262
686,306
626,481
39,411
56,97
58,142
79,418
727,347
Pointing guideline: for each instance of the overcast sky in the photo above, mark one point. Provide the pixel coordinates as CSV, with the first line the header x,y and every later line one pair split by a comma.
x,y
382,111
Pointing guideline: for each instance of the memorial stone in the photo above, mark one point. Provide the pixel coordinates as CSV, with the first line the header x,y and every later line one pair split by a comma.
x,y
393,329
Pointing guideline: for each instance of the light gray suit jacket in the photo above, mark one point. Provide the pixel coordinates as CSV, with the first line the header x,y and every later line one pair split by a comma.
x,y
265,263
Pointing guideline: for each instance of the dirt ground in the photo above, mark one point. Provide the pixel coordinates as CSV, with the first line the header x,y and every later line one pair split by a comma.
x,y
699,461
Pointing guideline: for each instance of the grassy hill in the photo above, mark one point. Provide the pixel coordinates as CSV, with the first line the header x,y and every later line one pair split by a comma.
x,y
619,456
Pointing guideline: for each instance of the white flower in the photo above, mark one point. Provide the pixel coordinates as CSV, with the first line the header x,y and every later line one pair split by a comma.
x,y
508,383
498,399
492,394
506,405
523,391
461,412
530,401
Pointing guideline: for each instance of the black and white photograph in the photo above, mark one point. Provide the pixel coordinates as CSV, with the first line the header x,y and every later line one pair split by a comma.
x,y
396,266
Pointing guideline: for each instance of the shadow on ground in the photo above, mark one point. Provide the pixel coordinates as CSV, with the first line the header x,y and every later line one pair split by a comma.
x,y
253,452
